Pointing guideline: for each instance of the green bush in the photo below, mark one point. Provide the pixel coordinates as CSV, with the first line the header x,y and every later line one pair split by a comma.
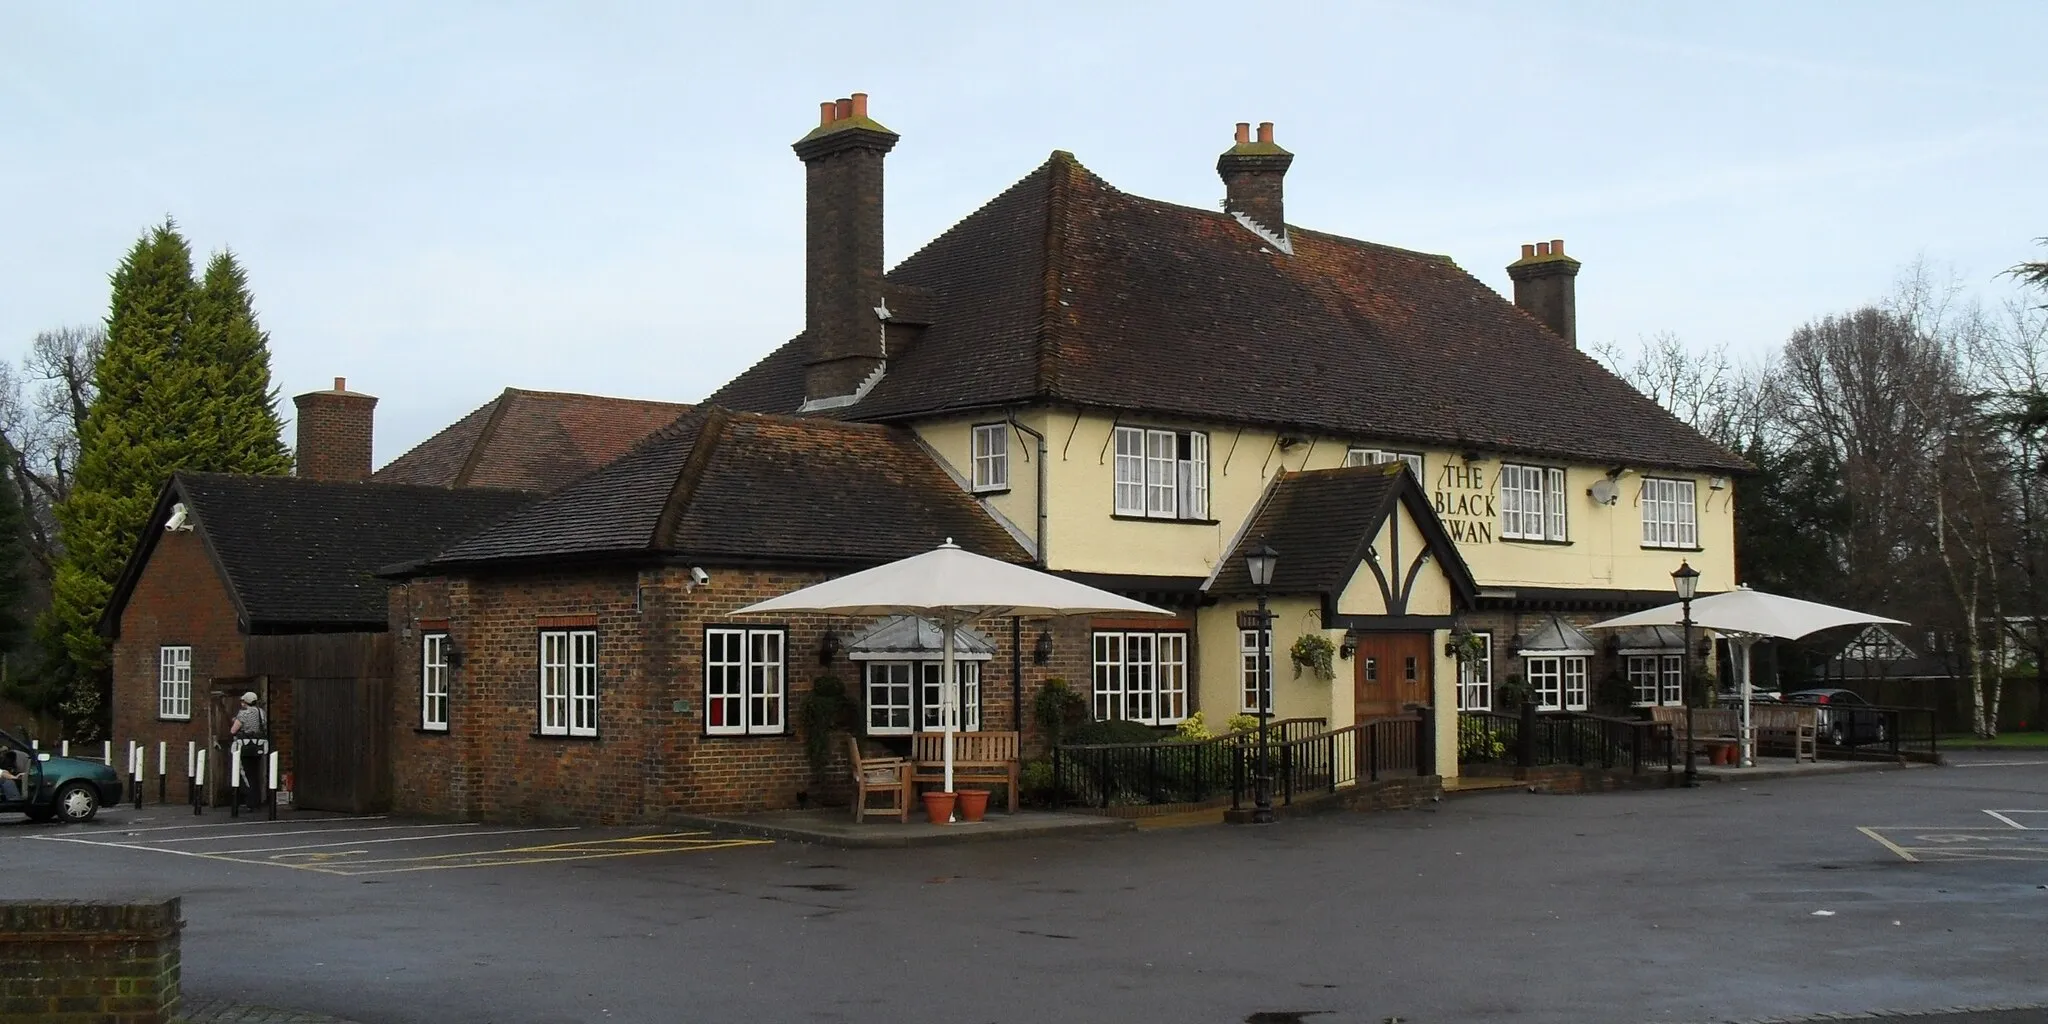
x,y
1113,731
824,710
1057,710
1036,785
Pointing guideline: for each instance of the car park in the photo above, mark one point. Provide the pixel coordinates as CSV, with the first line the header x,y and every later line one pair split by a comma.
x,y
68,789
1846,719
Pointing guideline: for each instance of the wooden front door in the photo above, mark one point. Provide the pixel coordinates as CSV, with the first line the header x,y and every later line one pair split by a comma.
x,y
1389,672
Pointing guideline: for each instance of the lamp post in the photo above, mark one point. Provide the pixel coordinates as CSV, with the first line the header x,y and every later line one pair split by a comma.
x,y
1686,580
1259,563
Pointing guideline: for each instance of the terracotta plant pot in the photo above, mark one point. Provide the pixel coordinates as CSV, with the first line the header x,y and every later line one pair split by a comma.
x,y
973,804
938,808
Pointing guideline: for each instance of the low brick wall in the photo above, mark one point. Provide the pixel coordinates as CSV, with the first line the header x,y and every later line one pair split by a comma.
x,y
1564,778
89,963
1400,794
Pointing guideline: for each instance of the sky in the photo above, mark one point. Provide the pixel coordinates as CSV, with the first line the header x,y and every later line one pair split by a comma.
x,y
438,201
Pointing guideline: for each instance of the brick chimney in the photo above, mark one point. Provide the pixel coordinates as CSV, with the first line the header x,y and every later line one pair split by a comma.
x,y
1252,173
334,433
843,251
1544,286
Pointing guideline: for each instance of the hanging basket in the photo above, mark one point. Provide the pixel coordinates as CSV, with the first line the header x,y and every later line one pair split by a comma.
x,y
1315,652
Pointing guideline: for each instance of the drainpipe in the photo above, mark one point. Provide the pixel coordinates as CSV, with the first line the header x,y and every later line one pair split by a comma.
x,y
1040,438
1017,679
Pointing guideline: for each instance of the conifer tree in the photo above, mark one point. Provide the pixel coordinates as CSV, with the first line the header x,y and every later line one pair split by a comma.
x,y
237,429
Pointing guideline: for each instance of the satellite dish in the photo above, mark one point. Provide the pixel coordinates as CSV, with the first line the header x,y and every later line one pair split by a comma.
x,y
1604,491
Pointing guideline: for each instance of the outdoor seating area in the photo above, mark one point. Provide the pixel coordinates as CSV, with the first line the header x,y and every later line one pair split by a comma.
x,y
1781,729
979,758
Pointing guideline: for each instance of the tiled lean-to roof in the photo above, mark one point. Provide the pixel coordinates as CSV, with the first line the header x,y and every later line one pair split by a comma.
x,y
300,555
718,484
531,440
1065,289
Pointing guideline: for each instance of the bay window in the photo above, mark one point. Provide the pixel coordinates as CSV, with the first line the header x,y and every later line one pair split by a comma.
x,y
1557,683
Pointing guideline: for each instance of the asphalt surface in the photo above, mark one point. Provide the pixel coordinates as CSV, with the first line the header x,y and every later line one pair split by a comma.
x,y
1731,902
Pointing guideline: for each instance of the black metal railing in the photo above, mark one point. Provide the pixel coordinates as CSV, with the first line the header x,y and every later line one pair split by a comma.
x,y
1118,774
1489,737
1865,730
1576,738
1327,761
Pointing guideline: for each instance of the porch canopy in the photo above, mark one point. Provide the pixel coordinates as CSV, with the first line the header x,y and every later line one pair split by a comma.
x,y
953,586
1745,616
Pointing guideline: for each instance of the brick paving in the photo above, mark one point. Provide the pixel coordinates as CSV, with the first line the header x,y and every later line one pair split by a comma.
x,y
222,1011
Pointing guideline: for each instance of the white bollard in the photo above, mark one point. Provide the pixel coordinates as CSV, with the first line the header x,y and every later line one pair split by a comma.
x,y
162,748
191,761
63,748
107,753
273,770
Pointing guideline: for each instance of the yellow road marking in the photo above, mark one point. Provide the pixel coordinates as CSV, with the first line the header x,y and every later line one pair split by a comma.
x,y
585,849
709,844
1888,844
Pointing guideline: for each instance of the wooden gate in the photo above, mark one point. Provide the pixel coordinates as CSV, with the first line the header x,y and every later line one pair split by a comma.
x,y
338,750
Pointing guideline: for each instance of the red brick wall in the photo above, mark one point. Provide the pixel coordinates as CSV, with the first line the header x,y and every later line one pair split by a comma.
x,y
335,429
649,761
179,600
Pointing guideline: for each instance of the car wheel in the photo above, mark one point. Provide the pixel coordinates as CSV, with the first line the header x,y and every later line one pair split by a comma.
x,y
77,802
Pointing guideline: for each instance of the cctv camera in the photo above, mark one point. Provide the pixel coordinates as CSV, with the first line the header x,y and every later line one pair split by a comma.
x,y
176,521
699,576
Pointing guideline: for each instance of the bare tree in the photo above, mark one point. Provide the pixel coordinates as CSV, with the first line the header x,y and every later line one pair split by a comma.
x,y
42,405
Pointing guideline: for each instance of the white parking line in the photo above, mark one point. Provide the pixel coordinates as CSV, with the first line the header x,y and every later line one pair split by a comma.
x,y
393,839
253,824
1995,764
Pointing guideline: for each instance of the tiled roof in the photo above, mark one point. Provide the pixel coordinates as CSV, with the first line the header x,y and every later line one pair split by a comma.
x,y
1322,522
1063,288
718,483
531,440
299,555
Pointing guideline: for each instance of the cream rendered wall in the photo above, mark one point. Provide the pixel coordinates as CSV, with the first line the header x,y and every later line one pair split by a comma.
x,y
1304,696
1432,592
953,441
1604,551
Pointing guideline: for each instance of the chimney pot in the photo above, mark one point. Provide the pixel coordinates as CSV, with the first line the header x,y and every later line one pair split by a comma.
x,y
1547,289
1543,248
860,104
1557,247
826,110
1528,250
341,383
843,109
1244,132
1266,131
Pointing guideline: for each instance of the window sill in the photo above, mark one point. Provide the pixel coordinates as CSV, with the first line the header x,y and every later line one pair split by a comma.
x,y
1664,547
559,736
1532,540
746,735
990,492
166,718
1161,519
424,731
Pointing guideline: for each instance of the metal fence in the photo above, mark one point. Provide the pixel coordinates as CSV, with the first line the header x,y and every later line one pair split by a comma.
x,y
1327,761
1568,737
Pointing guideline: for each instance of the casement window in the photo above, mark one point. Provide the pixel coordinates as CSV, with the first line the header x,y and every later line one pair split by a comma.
x,y
1162,474
1559,682
1475,679
992,457
568,682
744,681
434,682
1670,518
1381,456
1141,677
1656,679
174,682
1251,678
900,693
1532,503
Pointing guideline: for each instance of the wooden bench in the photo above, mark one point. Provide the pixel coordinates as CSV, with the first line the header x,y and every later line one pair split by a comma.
x,y
1788,725
888,775
989,758
1711,727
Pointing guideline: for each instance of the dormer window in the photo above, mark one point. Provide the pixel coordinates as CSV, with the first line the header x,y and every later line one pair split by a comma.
x,y
1162,474
1380,456
991,457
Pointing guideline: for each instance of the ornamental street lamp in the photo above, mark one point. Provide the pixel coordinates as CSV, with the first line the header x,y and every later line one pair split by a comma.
x,y
1259,563
1686,580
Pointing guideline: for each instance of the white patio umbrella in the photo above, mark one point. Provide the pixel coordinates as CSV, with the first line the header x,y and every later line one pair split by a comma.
x,y
956,586
1745,616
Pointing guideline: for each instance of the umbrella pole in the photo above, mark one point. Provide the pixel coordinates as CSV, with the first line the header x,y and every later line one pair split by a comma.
x,y
1747,644
949,702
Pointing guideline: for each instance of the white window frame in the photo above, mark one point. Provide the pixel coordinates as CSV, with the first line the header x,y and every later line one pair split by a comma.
x,y
1140,676
434,681
1360,456
930,712
1670,513
1674,679
174,682
991,457
1162,474
1532,503
1558,682
746,681
568,682
1475,678
889,691
1249,676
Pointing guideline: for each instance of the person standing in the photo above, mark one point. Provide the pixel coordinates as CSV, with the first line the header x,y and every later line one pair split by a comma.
x,y
251,735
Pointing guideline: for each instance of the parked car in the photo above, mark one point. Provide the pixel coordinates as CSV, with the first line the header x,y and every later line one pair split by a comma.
x,y
1732,697
1846,719
70,789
